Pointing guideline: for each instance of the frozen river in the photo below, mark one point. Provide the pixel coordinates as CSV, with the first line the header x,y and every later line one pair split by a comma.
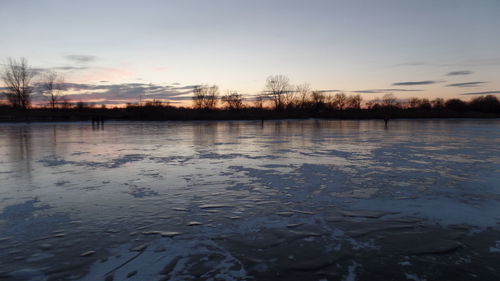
x,y
292,200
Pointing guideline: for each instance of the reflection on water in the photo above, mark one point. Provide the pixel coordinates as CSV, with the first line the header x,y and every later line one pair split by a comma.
x,y
70,188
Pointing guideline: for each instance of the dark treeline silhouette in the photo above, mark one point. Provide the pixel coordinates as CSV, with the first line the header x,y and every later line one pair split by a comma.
x,y
233,108
279,99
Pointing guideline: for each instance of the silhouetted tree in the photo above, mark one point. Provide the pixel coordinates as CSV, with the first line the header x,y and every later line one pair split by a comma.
x,y
340,101
232,101
212,97
318,100
413,102
303,92
205,97
81,105
437,104
354,102
425,104
52,85
277,86
487,103
373,104
155,103
417,103
17,76
456,105
389,100
290,99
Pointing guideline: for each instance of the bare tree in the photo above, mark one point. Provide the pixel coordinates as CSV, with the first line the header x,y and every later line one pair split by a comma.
x,y
413,102
340,101
354,101
277,86
425,104
212,97
318,99
232,101
303,92
17,77
198,97
205,97
82,105
289,99
329,101
438,103
52,85
389,100
373,104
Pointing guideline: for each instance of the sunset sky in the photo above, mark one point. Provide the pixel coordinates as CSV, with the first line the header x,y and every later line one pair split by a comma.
x,y
116,51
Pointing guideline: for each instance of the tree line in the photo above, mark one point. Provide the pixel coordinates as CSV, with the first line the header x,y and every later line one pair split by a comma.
x,y
279,95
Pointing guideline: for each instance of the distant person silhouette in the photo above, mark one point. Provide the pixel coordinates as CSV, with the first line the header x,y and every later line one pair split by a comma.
x,y
97,122
386,120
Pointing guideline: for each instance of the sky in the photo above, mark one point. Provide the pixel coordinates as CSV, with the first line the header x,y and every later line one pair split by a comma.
x,y
116,51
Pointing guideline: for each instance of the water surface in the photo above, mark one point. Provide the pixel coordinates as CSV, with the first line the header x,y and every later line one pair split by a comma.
x,y
310,199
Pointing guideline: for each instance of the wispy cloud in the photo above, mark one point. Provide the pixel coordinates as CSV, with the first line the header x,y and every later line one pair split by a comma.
x,y
69,68
414,83
80,58
329,91
377,91
482,93
460,72
188,87
126,92
39,70
466,84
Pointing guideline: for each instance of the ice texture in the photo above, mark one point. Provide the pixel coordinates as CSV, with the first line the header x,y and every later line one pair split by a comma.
x,y
68,188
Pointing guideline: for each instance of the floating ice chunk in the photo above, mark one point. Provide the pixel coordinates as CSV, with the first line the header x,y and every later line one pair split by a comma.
x,y
151,232
285,214
414,277
87,254
170,234
213,206
140,248
3,239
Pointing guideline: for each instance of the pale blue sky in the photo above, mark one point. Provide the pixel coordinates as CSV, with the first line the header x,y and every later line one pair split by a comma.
x,y
346,45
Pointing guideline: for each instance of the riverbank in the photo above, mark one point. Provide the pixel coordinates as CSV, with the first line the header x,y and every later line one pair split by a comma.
x,y
172,113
